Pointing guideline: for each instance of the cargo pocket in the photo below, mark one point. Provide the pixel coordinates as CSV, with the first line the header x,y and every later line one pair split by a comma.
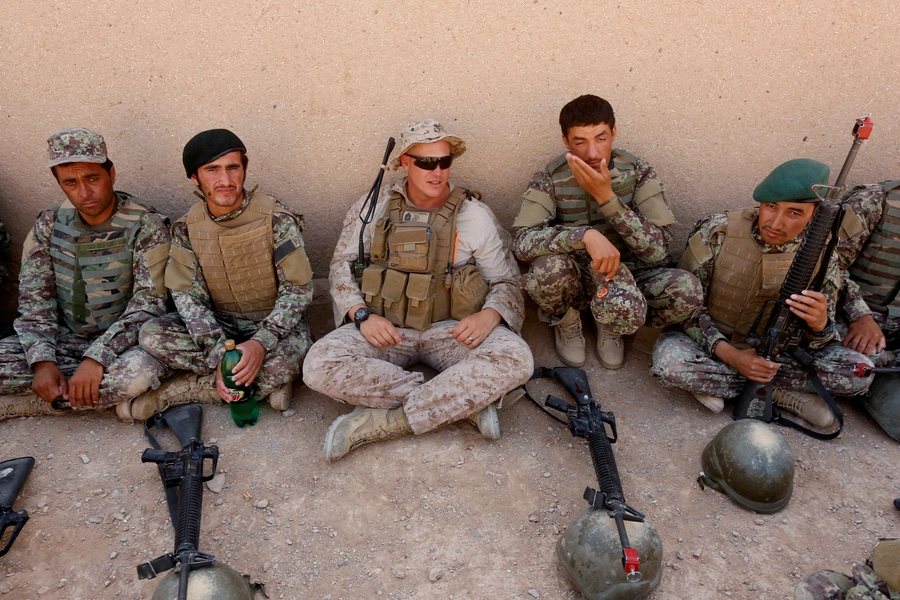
x,y
370,286
378,250
420,293
393,296
411,250
468,290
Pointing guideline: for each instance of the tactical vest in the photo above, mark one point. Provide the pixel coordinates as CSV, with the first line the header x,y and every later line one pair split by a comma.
x,y
574,206
743,277
877,267
93,270
411,278
236,257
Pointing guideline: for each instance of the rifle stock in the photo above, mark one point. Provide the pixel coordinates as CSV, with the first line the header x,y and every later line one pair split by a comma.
x,y
13,474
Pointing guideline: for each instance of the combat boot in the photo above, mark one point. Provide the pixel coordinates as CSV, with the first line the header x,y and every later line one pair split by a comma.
x,y
713,403
569,339
183,389
29,406
487,422
610,348
280,399
363,426
809,406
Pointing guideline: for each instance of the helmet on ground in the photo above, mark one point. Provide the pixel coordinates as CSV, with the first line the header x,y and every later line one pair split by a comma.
x,y
591,553
217,582
883,403
752,463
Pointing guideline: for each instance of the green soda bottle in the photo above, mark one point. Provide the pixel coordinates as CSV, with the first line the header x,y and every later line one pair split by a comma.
x,y
244,407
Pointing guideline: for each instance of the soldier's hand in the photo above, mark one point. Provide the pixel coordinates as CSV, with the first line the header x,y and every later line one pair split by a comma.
x,y
252,357
596,183
49,382
221,388
810,306
473,330
865,336
380,332
84,387
604,255
747,362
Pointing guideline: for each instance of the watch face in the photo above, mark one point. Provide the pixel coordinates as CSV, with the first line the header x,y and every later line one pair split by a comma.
x,y
360,314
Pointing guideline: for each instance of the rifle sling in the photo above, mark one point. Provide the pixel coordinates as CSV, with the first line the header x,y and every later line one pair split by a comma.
x,y
171,492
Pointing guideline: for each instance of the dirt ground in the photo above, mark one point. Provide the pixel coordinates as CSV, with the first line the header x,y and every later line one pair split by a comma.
x,y
481,518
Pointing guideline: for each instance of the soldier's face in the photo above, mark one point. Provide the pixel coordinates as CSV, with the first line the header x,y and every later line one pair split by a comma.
x,y
591,143
427,189
222,183
90,189
780,222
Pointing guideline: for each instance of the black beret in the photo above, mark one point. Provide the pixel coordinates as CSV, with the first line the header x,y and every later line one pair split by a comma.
x,y
792,181
207,146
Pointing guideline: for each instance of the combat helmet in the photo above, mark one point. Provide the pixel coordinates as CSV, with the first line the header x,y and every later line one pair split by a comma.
x,y
752,463
216,582
883,403
591,553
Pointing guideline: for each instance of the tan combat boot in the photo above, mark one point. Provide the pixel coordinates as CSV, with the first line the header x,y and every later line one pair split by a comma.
x,y
362,426
28,406
713,403
487,422
810,407
280,399
568,338
183,389
610,349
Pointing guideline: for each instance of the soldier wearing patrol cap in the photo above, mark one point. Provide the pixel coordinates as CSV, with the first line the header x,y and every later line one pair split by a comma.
x,y
237,270
442,289
742,257
596,228
92,274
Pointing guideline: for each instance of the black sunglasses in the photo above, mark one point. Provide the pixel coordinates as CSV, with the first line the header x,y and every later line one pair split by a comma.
x,y
430,163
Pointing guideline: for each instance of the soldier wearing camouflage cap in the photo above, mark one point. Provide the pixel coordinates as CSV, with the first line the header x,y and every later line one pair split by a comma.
x,y
741,258
92,273
237,270
596,228
441,288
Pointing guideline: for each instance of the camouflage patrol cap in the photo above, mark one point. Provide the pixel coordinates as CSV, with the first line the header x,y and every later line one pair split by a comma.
x,y
427,131
76,145
207,146
792,181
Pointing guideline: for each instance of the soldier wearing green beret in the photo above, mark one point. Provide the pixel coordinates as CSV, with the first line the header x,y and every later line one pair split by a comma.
x,y
741,258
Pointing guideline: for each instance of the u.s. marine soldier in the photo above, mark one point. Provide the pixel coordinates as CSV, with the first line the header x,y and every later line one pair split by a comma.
x,y
742,257
92,274
237,270
596,228
442,289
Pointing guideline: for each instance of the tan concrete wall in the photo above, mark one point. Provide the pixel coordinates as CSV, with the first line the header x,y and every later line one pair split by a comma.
x,y
714,94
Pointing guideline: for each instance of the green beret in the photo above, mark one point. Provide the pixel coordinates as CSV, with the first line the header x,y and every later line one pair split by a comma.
x,y
792,182
207,146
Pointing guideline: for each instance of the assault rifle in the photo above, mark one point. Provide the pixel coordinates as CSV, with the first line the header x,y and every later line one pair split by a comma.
x,y
368,208
183,471
783,332
586,420
13,474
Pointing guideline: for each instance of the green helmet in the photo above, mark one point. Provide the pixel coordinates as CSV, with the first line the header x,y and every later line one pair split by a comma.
x,y
883,403
752,463
591,553
217,582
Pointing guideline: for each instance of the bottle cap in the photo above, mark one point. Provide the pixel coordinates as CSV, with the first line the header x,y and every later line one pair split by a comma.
x,y
229,345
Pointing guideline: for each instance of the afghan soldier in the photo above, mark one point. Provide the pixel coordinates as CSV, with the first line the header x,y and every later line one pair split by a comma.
x,y
92,274
441,289
237,270
596,228
741,258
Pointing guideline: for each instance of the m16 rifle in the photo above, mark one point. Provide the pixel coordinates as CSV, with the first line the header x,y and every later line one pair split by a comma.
x,y
367,211
783,332
13,474
183,473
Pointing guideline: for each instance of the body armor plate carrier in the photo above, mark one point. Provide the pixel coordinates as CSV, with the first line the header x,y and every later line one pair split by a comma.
x,y
877,267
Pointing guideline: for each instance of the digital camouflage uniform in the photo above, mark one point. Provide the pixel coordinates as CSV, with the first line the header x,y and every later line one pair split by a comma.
x,y
862,584
344,366
44,335
686,359
193,338
560,276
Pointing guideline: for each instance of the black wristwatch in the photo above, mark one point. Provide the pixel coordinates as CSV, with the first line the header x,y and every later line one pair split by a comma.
x,y
360,315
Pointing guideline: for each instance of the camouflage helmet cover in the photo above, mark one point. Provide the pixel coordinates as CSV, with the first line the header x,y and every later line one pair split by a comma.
x,y
76,145
427,131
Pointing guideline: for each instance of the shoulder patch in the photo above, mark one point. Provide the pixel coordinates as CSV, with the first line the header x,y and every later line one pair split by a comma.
x,y
537,206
